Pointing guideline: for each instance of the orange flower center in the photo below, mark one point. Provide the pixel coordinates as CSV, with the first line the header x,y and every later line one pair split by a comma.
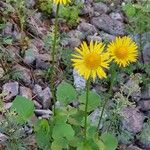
x,y
121,53
92,60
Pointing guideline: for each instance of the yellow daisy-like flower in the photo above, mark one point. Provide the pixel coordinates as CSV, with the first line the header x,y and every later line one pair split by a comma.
x,y
61,1
90,61
123,51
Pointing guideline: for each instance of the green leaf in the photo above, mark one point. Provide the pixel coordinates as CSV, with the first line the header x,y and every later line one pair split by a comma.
x,y
66,93
63,131
59,144
23,107
43,134
109,141
93,102
129,10
89,144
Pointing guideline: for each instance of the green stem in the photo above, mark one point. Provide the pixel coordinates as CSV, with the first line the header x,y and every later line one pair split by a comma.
x,y
112,71
86,106
53,58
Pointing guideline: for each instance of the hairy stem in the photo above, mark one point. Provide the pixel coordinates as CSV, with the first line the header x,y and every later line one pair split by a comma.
x,y
86,106
52,83
112,71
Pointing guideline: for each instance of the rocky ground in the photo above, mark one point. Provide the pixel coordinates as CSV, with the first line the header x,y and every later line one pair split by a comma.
x,y
27,60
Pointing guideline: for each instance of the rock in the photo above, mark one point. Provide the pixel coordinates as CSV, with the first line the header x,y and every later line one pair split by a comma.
x,y
13,53
76,34
144,105
30,3
37,104
7,106
132,147
94,118
79,82
11,29
94,38
133,87
116,16
36,26
3,137
22,74
44,96
100,8
2,72
146,53
107,37
38,43
132,120
10,90
74,42
43,61
87,28
87,10
30,54
109,25
146,93
26,92
40,112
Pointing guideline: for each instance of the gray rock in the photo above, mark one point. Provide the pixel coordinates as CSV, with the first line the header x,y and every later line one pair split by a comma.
x,y
10,90
13,53
94,118
41,112
87,10
109,25
94,38
43,61
132,147
133,87
87,28
22,74
74,42
37,104
116,16
7,105
26,92
100,8
36,26
3,137
30,54
76,34
44,96
146,53
132,120
146,93
30,3
2,72
107,37
79,81
144,105
11,29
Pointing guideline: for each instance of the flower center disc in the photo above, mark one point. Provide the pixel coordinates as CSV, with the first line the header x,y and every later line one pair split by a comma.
x,y
121,52
93,60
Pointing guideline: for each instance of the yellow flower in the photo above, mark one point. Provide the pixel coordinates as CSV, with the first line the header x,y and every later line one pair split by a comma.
x,y
61,1
90,61
123,51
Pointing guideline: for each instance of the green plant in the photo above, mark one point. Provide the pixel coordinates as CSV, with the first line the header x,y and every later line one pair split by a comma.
x,y
45,6
12,121
144,135
70,13
20,9
138,15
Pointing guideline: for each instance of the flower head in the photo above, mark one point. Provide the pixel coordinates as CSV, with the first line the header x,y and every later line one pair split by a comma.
x,y
123,51
61,1
90,61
